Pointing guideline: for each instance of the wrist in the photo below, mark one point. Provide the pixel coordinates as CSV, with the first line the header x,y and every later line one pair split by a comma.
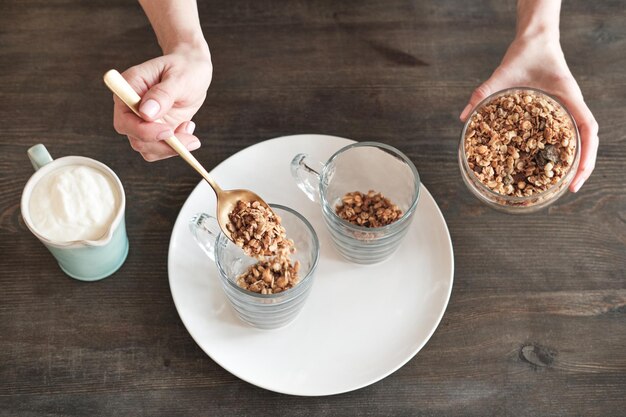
x,y
537,40
538,31
533,48
194,44
538,19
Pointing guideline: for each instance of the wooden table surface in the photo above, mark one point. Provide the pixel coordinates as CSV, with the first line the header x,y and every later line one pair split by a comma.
x,y
536,322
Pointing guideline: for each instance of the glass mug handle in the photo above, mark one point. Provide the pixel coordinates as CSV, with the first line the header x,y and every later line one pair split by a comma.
x,y
306,172
205,230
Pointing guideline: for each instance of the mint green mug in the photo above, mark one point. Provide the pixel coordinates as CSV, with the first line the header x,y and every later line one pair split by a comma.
x,y
85,260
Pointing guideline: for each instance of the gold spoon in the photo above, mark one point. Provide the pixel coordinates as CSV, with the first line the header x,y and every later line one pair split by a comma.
x,y
226,199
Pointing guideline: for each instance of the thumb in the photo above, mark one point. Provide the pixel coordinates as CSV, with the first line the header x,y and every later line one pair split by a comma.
x,y
588,128
160,98
493,84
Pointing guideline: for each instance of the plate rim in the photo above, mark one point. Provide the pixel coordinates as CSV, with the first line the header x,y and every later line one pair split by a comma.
x,y
289,392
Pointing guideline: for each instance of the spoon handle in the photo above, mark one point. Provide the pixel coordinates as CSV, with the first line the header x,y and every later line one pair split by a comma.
x,y
120,87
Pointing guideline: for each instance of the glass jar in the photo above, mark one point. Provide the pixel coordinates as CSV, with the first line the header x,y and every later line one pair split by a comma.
x,y
515,204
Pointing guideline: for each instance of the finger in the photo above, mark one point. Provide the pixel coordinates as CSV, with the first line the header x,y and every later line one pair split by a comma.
x,y
184,133
154,151
152,75
145,150
127,123
186,127
136,143
144,75
588,129
587,163
124,120
120,122
496,82
160,98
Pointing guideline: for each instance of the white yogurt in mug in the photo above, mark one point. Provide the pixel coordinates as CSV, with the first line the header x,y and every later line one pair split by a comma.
x,y
73,202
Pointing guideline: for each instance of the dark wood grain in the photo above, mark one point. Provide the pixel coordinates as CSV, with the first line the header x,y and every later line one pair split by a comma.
x,y
536,323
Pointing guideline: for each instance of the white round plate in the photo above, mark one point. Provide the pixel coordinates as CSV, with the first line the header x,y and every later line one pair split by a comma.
x,y
360,323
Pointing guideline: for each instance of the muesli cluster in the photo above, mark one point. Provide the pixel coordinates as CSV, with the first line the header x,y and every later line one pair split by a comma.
x,y
270,276
368,210
258,231
520,144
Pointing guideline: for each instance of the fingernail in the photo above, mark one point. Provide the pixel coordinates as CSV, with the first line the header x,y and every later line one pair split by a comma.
x,y
190,127
165,135
578,184
150,108
465,111
193,145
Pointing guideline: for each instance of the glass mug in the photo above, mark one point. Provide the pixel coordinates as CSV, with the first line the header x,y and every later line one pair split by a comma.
x,y
361,167
264,311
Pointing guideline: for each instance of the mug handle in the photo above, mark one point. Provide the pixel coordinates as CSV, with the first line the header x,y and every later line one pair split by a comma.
x,y
39,156
205,230
307,172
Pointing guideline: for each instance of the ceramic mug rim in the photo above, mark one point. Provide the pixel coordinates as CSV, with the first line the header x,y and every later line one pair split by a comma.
x,y
64,161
